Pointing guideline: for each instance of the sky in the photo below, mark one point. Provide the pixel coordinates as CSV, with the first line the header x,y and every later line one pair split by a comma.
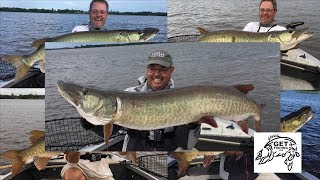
x,y
22,91
115,5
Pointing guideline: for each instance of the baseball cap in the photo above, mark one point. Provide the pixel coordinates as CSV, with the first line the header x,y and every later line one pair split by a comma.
x,y
160,57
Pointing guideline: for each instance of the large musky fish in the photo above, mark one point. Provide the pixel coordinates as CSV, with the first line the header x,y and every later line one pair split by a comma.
x,y
36,152
288,39
295,120
23,63
161,109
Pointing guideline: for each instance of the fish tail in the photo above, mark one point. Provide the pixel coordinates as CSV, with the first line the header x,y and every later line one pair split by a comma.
x,y
39,42
21,68
41,162
183,167
257,124
13,156
257,117
42,66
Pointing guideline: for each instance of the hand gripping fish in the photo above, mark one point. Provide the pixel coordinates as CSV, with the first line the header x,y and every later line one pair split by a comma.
x,y
36,152
159,109
23,63
288,39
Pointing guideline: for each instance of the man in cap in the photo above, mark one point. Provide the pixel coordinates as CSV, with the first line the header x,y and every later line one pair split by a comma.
x,y
157,77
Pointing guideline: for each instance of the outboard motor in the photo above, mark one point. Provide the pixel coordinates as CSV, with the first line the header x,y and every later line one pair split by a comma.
x,y
293,25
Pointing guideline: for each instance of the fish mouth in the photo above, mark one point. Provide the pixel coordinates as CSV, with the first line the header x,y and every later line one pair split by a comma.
x,y
148,34
302,34
297,37
303,115
71,92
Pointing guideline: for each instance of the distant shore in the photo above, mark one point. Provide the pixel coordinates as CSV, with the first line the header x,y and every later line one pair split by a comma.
x,y
29,96
72,11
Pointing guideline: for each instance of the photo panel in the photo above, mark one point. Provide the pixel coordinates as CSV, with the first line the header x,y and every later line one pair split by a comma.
x,y
299,65
105,69
299,111
25,31
21,112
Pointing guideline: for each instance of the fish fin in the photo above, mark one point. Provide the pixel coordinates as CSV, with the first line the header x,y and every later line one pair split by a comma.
x,y
40,162
131,154
107,131
183,167
257,125
207,160
133,157
244,88
10,155
42,66
243,124
21,68
257,119
16,167
13,156
36,136
39,42
202,30
209,120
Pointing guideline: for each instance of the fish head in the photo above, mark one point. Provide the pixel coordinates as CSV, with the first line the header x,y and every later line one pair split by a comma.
x,y
295,120
90,103
306,114
290,38
147,34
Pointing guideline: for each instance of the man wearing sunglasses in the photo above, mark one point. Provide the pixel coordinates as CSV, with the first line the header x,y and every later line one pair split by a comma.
x,y
157,78
267,13
98,14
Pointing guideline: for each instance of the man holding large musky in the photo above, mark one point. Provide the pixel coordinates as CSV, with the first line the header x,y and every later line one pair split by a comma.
x,y
157,78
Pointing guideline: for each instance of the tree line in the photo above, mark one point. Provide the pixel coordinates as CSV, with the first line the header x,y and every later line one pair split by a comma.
x,y
72,11
29,96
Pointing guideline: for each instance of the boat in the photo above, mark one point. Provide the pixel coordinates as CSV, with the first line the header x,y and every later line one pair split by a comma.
x,y
34,78
216,170
121,168
299,71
